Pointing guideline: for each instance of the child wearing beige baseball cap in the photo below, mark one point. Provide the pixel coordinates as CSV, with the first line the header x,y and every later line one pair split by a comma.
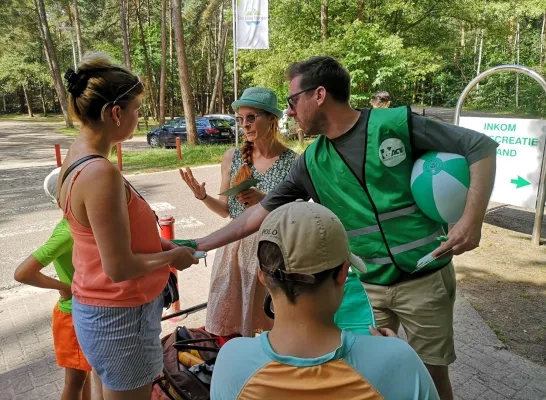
x,y
304,258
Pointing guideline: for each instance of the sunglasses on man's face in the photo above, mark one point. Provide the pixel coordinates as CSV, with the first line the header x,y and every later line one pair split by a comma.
x,y
250,119
291,99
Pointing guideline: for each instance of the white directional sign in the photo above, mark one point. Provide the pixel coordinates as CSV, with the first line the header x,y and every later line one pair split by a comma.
x,y
519,156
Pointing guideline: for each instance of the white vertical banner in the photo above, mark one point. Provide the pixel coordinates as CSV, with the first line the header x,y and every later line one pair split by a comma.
x,y
252,24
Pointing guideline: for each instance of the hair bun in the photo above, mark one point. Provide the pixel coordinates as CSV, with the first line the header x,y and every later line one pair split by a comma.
x,y
77,81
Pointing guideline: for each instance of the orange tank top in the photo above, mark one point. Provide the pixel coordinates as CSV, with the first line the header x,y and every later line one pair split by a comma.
x,y
91,285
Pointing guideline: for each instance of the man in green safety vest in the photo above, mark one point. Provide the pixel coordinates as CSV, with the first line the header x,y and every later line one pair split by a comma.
x,y
360,167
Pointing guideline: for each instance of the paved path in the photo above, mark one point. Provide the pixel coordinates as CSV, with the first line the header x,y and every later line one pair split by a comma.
x,y
27,218
27,145
484,369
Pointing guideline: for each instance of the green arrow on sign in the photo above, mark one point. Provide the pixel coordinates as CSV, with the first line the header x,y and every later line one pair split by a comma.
x,y
520,182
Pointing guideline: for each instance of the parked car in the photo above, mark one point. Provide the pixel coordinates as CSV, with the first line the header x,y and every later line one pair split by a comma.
x,y
227,117
210,130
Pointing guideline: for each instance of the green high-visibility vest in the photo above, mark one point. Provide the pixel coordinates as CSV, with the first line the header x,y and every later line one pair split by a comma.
x,y
384,225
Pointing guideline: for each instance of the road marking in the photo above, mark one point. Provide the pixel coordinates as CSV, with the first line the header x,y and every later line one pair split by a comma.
x,y
188,222
162,206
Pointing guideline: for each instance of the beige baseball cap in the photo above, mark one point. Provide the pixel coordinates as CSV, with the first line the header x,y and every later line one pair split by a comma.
x,y
311,238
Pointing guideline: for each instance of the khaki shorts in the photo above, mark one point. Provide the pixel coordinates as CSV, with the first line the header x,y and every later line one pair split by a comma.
x,y
424,307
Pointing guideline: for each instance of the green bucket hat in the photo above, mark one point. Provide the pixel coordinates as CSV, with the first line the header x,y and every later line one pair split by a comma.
x,y
260,98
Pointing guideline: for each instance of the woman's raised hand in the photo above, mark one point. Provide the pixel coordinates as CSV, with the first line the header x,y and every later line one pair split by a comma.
x,y
197,188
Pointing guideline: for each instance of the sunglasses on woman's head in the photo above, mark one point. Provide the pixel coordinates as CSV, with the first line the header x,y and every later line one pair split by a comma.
x,y
127,91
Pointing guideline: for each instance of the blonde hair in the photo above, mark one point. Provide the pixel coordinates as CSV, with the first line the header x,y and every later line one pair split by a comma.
x,y
248,147
381,100
97,84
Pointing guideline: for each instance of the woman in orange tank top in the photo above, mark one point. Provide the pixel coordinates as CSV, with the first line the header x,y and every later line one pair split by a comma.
x,y
121,263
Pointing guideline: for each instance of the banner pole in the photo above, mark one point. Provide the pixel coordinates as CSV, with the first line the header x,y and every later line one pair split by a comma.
x,y
234,13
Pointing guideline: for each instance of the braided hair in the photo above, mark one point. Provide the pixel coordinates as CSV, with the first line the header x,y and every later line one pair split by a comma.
x,y
247,149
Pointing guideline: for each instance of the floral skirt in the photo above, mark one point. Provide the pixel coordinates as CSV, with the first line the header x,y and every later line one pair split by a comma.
x,y
236,296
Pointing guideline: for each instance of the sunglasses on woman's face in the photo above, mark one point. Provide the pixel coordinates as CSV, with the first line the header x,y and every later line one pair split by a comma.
x,y
250,119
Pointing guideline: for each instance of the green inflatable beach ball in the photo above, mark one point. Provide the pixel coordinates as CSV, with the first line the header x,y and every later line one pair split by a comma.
x,y
439,184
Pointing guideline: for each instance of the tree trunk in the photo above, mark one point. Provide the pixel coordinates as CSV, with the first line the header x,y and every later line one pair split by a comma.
x,y
69,14
222,40
463,36
50,50
124,35
185,89
205,99
163,62
127,5
55,100
171,59
4,103
78,30
27,101
148,67
22,102
517,63
474,61
542,39
360,15
42,97
148,12
221,105
324,19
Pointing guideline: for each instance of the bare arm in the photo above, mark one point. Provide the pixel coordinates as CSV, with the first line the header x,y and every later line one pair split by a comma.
x,y
218,205
244,225
102,191
482,178
466,233
290,189
29,273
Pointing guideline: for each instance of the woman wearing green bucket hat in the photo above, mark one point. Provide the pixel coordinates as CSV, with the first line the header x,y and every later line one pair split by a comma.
x,y
235,303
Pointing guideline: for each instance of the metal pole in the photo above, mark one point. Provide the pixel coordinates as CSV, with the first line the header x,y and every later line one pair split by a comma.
x,y
187,311
73,49
71,30
234,12
541,195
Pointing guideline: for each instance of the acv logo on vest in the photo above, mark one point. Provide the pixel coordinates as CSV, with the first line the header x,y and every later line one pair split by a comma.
x,y
392,152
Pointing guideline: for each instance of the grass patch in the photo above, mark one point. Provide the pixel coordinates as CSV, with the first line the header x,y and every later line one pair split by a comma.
x,y
497,331
153,160
165,159
68,131
74,132
38,118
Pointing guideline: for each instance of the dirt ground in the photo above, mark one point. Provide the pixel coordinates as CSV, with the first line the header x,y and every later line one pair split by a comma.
x,y
505,280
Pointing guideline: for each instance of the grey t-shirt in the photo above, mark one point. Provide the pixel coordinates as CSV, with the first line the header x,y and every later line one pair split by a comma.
x,y
426,135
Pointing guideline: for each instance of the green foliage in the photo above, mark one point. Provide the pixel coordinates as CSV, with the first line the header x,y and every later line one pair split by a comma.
x,y
421,51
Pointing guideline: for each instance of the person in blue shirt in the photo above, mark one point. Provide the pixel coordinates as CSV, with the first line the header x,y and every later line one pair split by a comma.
x,y
304,257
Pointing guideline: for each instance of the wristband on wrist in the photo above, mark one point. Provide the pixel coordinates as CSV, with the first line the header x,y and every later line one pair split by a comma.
x,y
185,242
204,197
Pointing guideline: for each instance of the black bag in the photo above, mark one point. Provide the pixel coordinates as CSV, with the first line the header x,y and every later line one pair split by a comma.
x,y
177,382
170,292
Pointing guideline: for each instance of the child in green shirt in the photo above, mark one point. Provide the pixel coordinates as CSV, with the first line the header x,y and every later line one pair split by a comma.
x,y
58,250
